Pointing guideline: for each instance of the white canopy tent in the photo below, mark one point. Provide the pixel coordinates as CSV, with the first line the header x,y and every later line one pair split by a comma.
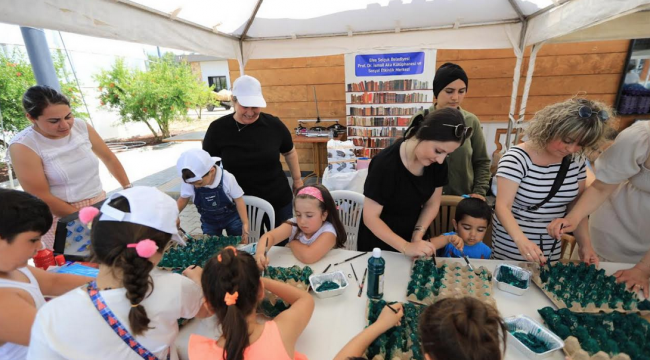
x,y
265,29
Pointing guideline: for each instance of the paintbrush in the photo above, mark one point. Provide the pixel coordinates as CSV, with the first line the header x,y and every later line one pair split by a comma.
x,y
362,282
392,308
355,275
327,268
555,241
266,250
348,259
186,234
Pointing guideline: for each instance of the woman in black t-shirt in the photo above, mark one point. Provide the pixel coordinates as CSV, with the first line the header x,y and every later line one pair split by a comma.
x,y
404,184
249,143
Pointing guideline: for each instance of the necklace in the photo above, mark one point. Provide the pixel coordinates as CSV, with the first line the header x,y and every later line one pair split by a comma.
x,y
239,129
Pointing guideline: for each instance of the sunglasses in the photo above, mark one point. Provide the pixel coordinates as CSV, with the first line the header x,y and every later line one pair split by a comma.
x,y
585,112
461,131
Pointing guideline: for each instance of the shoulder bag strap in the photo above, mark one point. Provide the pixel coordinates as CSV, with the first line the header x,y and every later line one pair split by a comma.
x,y
115,324
559,179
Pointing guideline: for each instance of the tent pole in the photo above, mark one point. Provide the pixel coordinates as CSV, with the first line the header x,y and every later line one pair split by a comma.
x,y
40,57
519,53
529,80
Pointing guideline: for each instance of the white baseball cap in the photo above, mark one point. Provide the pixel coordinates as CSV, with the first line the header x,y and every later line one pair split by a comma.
x,y
148,206
197,161
248,91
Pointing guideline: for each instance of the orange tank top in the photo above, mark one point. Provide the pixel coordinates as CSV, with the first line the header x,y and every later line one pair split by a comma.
x,y
269,346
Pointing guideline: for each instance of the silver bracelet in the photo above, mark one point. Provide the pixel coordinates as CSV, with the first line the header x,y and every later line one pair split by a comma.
x,y
127,186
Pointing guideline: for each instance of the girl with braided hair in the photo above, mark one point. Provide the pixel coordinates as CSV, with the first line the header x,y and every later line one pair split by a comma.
x,y
131,310
233,289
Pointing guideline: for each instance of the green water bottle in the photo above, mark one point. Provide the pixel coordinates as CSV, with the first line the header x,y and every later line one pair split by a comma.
x,y
376,266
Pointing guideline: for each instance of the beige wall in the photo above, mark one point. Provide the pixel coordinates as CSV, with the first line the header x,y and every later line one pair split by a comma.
x,y
591,69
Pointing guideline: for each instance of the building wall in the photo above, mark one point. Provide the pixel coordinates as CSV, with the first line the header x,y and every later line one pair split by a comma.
x,y
590,69
215,68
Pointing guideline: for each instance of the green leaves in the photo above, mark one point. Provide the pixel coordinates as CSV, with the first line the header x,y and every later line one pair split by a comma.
x,y
162,93
16,76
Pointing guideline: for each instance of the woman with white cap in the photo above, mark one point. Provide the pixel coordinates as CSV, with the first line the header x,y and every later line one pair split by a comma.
x,y
249,143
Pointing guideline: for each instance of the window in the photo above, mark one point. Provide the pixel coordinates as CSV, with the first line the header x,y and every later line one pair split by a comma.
x,y
219,82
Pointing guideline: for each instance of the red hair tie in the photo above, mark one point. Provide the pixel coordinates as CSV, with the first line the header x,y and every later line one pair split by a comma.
x,y
87,214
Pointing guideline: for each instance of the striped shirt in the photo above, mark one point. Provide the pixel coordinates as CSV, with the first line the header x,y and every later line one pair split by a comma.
x,y
535,183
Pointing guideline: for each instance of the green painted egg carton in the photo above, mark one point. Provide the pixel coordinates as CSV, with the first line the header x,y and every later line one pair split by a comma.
x,y
603,336
584,288
197,251
295,276
400,342
430,283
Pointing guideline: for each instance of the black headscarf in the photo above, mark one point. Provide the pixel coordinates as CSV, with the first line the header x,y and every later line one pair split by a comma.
x,y
446,74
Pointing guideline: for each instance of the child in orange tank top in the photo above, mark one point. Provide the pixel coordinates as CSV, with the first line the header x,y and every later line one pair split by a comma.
x,y
233,288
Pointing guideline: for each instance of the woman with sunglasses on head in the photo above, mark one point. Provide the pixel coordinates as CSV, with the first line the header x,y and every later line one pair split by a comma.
x,y
469,165
527,201
619,205
404,184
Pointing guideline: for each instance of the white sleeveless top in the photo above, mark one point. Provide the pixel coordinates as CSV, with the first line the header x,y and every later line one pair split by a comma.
x,y
71,167
11,350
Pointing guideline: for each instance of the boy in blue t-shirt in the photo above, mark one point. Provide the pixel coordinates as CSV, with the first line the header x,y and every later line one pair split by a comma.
x,y
472,220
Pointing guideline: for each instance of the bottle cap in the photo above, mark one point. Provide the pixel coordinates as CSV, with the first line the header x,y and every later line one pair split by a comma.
x,y
376,252
60,260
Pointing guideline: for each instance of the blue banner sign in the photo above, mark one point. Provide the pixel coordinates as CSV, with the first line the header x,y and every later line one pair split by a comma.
x,y
389,64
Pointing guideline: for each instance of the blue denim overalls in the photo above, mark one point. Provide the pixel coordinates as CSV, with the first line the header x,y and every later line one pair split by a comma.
x,y
217,211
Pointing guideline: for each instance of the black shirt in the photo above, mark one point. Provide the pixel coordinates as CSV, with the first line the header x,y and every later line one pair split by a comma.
x,y
401,194
252,155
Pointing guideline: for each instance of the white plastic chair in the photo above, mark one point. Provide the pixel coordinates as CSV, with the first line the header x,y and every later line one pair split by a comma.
x,y
350,204
256,208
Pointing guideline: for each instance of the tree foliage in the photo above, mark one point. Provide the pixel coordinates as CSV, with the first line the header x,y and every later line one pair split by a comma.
x,y
16,76
165,91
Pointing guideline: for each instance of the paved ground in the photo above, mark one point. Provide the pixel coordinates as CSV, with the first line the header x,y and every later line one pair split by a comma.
x,y
156,166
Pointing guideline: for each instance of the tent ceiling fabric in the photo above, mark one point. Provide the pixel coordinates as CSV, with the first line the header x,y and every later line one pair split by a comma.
x,y
296,28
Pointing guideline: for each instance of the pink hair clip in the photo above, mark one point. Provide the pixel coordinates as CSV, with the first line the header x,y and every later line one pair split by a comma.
x,y
312,191
87,214
145,248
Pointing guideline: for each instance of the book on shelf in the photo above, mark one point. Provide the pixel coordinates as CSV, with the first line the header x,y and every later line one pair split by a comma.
x,y
382,110
374,142
376,131
378,121
388,98
407,84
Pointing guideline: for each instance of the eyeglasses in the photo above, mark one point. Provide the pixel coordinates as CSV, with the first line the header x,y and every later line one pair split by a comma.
x,y
461,131
586,112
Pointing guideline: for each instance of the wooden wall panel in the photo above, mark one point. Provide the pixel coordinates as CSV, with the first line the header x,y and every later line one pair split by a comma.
x,y
590,69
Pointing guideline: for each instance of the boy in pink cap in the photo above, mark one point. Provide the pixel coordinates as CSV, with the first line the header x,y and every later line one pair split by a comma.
x,y
215,192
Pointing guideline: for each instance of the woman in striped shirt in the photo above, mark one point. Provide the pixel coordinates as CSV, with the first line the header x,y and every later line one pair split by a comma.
x,y
526,174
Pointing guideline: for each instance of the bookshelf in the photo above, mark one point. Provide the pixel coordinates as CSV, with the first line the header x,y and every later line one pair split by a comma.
x,y
379,107
379,112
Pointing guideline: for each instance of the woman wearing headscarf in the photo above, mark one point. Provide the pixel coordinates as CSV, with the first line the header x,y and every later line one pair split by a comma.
x,y
469,165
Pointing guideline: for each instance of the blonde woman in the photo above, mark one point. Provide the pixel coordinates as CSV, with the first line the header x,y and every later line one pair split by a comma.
x,y
526,173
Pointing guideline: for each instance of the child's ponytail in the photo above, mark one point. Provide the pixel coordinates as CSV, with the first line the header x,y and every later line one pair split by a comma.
x,y
231,285
463,329
136,281
117,244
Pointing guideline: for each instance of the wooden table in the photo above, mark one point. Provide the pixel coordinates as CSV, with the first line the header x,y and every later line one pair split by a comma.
x,y
337,320
316,143
190,136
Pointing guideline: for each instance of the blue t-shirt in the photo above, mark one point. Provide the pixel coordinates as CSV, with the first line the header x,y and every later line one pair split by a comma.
x,y
476,251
